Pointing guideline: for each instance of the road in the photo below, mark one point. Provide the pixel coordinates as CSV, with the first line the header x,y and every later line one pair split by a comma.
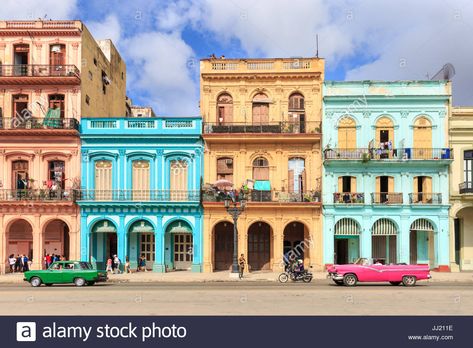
x,y
320,297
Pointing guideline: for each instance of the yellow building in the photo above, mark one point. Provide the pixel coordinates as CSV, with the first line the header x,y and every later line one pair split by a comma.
x,y
461,189
262,122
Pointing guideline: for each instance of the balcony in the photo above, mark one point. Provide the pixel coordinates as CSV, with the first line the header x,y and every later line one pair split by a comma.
x,y
348,198
287,65
37,123
310,127
25,74
425,198
38,195
139,195
367,154
386,198
466,187
257,196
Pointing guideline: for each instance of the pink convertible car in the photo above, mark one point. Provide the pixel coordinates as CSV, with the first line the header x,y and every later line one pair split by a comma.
x,y
365,270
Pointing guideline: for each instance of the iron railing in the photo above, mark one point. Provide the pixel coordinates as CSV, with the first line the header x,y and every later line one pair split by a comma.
x,y
308,127
38,195
140,195
264,196
39,70
466,187
366,154
38,123
386,198
349,198
425,198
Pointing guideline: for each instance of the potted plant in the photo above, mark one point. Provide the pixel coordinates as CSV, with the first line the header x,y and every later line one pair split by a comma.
x,y
365,157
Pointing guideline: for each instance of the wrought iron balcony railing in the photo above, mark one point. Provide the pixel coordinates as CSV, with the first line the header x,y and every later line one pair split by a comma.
x,y
308,127
425,198
39,70
38,123
264,196
386,198
140,195
466,187
366,154
349,198
43,195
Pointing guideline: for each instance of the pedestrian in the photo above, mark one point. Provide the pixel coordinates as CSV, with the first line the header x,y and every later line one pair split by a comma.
x,y
18,263
127,265
11,262
142,264
25,263
116,264
109,265
241,265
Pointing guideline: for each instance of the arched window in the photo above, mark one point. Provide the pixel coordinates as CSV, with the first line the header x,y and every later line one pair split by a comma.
x,y
384,130
296,175
423,190
422,133
57,57
178,181
347,133
296,112
260,169
224,108
260,109
140,179
103,180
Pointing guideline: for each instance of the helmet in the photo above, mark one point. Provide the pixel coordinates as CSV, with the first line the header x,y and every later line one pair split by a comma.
x,y
299,261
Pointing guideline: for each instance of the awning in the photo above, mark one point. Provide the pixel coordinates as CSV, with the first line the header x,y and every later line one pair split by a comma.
x,y
179,227
384,227
422,225
347,227
262,185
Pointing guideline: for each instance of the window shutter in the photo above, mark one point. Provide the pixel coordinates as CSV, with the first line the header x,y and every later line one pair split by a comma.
x,y
353,184
390,184
290,180
340,184
416,183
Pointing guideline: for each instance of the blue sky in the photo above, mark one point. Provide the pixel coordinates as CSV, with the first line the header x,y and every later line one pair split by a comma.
x,y
162,41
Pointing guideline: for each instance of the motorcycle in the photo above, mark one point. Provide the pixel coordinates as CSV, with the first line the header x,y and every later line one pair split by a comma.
x,y
305,276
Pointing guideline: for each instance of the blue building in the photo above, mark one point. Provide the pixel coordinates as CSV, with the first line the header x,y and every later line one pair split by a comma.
x,y
140,192
386,165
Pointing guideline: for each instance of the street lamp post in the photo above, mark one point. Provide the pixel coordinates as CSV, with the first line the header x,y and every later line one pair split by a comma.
x,y
231,205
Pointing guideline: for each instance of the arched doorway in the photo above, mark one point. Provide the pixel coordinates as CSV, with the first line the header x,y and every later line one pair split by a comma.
x,y
19,239
422,250
56,239
384,241
296,242
103,243
463,229
259,246
223,246
180,242
141,242
347,241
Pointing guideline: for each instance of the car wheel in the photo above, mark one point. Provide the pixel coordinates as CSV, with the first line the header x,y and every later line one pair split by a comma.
x,y
338,282
350,279
90,283
395,283
35,281
283,278
409,280
307,279
79,281
48,284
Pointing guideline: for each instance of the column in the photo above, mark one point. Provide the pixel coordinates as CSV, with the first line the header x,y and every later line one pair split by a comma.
x,y
159,170
122,239
243,237
403,243
365,237
328,239
159,247
207,244
37,243
441,243
197,246
278,245
84,239
121,171
3,249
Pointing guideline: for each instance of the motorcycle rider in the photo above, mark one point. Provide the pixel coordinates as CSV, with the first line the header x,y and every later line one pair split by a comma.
x,y
298,269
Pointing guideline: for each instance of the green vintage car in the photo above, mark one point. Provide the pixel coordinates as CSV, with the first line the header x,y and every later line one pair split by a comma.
x,y
64,272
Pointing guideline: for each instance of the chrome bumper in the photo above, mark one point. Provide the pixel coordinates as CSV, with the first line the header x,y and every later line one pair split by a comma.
x,y
335,276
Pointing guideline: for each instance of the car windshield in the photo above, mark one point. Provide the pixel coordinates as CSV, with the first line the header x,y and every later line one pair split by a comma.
x,y
362,261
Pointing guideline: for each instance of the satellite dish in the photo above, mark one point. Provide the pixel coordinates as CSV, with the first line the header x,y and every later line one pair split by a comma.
x,y
446,73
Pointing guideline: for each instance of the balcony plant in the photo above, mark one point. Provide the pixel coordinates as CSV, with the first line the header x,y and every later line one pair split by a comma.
x,y
365,157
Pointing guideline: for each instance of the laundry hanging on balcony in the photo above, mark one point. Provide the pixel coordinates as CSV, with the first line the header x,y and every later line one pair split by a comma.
x,y
53,118
262,185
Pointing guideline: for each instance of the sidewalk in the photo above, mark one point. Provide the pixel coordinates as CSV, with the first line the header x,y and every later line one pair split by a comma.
x,y
183,277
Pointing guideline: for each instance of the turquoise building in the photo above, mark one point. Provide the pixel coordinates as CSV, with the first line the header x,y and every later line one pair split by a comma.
x,y
140,195
386,163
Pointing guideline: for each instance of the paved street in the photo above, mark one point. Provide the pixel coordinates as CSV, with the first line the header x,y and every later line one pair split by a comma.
x,y
238,298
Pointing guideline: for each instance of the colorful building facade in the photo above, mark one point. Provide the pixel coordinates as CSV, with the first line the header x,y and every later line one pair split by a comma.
x,y
51,73
461,189
140,193
386,172
262,134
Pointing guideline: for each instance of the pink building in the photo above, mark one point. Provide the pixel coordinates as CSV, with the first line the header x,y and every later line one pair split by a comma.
x,y
51,73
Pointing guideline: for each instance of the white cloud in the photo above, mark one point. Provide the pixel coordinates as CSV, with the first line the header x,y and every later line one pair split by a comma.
x,y
33,9
162,66
109,28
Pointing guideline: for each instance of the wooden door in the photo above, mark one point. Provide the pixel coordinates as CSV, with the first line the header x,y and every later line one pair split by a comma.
x,y
103,180
20,175
259,245
178,180
20,109
183,251
140,180
223,246
260,113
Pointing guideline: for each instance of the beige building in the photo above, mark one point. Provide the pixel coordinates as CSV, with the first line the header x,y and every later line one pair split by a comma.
x,y
52,73
461,189
262,130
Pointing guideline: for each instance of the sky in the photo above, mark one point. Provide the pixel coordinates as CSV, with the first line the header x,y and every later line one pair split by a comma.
x,y
163,41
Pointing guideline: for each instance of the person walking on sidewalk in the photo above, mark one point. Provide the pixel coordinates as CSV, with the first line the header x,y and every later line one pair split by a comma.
x,y
109,265
127,265
241,265
116,264
12,262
